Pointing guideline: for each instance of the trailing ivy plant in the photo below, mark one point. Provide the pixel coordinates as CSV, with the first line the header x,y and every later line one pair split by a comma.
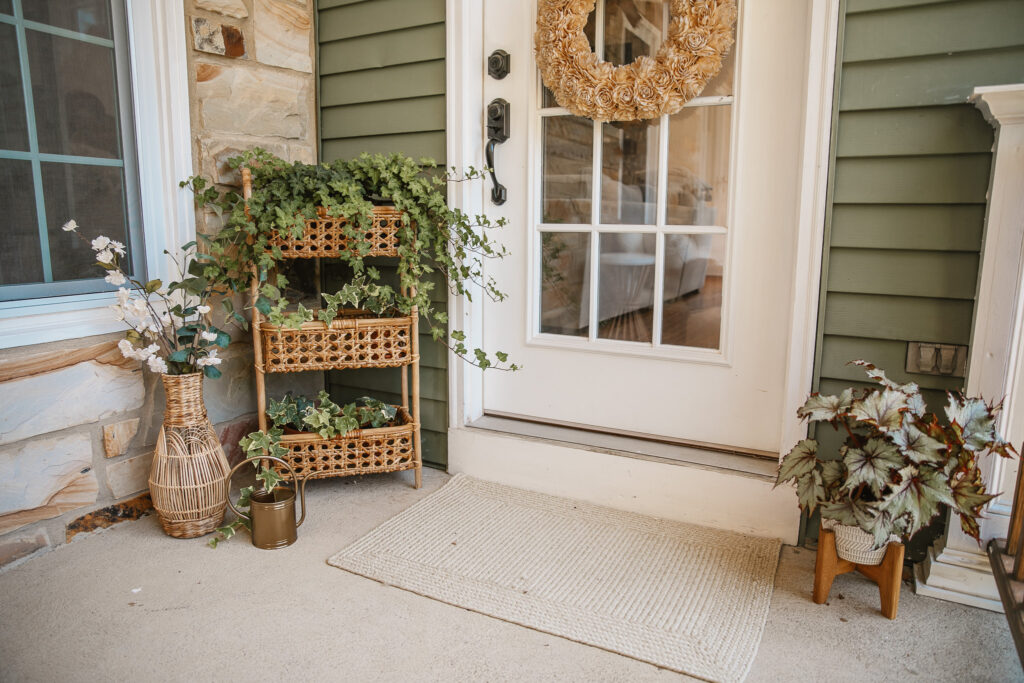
x,y
899,466
433,237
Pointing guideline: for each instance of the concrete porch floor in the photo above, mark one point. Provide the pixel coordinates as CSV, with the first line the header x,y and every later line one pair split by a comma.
x,y
132,604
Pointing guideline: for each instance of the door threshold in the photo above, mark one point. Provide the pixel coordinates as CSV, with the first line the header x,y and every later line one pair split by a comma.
x,y
720,458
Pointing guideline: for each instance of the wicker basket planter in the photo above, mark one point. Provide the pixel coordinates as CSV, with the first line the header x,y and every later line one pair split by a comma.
x,y
324,237
186,480
356,339
363,451
855,544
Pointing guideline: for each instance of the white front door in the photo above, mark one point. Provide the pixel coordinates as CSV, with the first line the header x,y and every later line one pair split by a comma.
x,y
651,275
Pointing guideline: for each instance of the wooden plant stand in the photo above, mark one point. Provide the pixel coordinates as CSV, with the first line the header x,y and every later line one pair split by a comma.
x,y
356,339
887,575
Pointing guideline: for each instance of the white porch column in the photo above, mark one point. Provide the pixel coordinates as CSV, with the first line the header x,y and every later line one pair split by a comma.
x,y
957,569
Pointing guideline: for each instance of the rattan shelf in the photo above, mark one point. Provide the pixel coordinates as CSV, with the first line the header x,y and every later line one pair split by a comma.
x,y
356,339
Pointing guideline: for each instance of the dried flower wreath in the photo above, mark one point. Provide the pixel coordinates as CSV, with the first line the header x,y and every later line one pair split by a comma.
x,y
699,34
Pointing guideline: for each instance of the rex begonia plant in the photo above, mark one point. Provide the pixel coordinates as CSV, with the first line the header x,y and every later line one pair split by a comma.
x,y
169,328
899,465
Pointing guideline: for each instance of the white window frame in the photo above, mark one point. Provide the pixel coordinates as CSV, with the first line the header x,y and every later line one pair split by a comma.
x,y
160,105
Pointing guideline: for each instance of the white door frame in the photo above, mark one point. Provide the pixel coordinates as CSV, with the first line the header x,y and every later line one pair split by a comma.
x,y
465,142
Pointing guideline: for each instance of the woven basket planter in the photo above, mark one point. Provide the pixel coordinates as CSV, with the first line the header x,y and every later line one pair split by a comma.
x,y
356,339
186,480
855,544
324,237
363,451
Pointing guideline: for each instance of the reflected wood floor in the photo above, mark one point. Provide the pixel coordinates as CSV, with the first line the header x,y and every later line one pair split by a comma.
x,y
691,320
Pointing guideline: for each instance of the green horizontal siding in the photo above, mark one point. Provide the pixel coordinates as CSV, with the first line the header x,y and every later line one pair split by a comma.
x,y
918,226
933,274
947,179
381,75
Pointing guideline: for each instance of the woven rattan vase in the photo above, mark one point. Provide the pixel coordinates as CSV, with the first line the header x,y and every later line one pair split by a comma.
x,y
189,467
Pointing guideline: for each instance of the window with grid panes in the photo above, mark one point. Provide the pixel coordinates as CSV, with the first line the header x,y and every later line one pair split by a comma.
x,y
66,145
634,216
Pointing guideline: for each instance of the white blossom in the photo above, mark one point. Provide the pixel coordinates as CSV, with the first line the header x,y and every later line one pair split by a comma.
x,y
203,310
70,226
210,359
116,277
157,364
117,247
123,295
208,336
105,256
100,243
127,348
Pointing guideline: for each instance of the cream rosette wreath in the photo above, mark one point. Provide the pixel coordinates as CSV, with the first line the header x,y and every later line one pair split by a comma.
x,y
699,35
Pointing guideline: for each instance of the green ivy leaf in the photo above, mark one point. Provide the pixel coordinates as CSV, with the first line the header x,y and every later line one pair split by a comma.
x,y
269,477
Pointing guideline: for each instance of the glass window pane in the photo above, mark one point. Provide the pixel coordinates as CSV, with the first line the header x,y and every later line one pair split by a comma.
x,y
632,28
694,266
625,294
74,89
82,16
722,83
629,172
568,174
698,166
5,7
13,129
565,283
94,197
20,260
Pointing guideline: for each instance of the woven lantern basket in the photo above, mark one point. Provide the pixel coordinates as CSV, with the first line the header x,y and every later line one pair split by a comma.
x,y
186,481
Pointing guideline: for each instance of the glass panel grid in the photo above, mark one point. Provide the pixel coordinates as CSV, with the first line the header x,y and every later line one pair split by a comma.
x,y
99,23
662,236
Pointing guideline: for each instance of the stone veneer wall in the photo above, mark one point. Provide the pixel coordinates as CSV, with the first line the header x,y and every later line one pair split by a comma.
x,y
78,421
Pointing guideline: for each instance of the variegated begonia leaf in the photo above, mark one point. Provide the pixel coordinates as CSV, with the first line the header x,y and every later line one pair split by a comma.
x,y
884,409
820,408
879,376
809,491
798,462
969,495
850,512
916,404
917,445
920,493
871,465
975,420
831,472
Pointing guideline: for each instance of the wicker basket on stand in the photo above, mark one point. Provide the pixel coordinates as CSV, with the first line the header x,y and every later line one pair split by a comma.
x,y
186,480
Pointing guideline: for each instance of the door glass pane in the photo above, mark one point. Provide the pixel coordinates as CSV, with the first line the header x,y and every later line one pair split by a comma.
x,y
722,84
632,28
565,283
82,16
629,172
74,89
568,143
93,196
626,286
694,266
20,259
5,7
13,129
698,166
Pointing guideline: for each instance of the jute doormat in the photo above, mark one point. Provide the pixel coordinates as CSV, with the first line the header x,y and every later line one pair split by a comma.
x,y
679,596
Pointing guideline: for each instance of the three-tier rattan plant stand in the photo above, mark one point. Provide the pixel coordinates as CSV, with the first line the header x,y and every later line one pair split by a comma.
x,y
355,339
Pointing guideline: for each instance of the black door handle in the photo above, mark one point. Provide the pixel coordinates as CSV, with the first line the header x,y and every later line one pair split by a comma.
x,y
498,116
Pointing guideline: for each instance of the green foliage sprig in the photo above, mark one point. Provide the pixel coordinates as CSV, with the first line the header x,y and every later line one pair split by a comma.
x,y
899,466
434,238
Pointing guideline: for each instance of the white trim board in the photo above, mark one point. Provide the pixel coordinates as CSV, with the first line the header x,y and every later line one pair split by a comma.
x,y
667,490
160,104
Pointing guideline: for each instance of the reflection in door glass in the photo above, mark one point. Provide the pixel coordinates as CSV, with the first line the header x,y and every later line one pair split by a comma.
x,y
694,266
568,175
629,173
626,287
698,166
565,283
632,28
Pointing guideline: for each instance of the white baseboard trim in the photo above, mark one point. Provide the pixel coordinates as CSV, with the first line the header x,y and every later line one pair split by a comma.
x,y
714,498
964,578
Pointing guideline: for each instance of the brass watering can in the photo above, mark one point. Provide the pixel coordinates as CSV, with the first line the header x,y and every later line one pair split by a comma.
x,y
272,515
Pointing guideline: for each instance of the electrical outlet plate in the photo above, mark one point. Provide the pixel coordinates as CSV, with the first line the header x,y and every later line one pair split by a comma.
x,y
948,360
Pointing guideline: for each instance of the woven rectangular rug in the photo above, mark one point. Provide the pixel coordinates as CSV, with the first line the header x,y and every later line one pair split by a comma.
x,y
679,596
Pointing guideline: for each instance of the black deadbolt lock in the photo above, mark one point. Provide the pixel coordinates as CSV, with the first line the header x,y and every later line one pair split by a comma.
x,y
498,64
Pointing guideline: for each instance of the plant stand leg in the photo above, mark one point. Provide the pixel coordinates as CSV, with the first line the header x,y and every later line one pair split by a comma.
x,y
827,566
888,576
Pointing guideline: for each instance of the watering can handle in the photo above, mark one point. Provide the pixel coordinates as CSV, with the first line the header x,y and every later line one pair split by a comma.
x,y
295,480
